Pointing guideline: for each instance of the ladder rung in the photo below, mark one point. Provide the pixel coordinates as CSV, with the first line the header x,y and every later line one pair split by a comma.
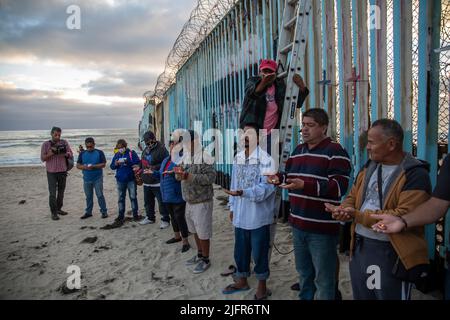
x,y
283,75
290,23
292,2
287,48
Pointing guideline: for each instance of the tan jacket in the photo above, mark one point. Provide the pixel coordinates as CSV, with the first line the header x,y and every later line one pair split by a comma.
x,y
410,186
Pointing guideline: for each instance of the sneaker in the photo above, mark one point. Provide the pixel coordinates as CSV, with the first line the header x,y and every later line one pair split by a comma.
x,y
104,215
202,266
55,217
85,216
164,224
62,213
117,223
185,248
146,221
195,259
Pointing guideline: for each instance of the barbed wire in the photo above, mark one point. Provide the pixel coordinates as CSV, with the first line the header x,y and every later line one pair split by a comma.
x,y
202,20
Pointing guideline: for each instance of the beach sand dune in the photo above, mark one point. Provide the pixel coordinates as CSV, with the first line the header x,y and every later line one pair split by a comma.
x,y
132,262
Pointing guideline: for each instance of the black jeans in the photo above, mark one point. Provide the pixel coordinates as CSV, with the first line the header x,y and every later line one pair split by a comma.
x,y
177,213
56,187
150,193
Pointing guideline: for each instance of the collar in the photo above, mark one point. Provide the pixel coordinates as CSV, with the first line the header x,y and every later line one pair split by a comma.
x,y
321,144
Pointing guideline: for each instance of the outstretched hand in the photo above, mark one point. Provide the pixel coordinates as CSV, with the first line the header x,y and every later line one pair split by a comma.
x,y
388,223
340,213
272,179
294,184
236,193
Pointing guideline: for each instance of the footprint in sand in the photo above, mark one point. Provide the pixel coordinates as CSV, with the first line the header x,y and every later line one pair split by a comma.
x,y
13,256
89,240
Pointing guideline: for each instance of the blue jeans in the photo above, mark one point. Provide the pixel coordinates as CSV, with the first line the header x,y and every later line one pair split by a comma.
x,y
132,193
89,187
315,261
150,193
250,243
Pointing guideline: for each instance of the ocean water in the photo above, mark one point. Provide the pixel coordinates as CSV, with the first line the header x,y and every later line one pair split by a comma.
x,y
23,148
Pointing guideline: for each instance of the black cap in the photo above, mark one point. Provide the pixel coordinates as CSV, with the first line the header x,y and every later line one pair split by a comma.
x,y
149,136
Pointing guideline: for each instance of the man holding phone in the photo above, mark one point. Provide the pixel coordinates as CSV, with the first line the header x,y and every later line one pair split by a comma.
x,y
92,161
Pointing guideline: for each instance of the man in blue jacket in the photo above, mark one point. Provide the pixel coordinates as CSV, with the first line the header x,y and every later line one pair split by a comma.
x,y
92,161
123,162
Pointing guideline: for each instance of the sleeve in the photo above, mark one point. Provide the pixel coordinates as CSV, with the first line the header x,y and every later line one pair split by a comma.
x,y
250,88
44,150
415,191
141,164
336,184
442,191
113,162
161,155
135,159
350,199
102,157
158,173
69,149
233,185
80,158
302,97
206,177
259,192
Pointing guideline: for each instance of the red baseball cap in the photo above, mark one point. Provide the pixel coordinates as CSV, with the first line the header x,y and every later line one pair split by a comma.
x,y
268,64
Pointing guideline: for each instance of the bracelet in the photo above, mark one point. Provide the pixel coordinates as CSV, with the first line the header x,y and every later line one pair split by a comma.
x,y
404,221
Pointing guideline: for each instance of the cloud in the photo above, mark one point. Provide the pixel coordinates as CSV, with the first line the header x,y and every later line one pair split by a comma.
x,y
130,35
33,109
119,52
125,84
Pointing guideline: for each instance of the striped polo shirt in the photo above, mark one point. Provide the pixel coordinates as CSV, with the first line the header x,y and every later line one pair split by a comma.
x,y
325,169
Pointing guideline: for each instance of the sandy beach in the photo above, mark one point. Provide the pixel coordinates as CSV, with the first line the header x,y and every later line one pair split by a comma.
x,y
131,262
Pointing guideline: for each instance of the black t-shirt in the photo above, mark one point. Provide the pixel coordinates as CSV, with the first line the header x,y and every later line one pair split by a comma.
x,y
442,189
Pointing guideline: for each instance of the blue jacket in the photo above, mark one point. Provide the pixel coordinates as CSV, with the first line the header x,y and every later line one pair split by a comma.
x,y
170,187
124,171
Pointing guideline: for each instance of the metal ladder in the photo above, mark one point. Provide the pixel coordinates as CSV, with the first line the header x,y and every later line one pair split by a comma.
x,y
293,36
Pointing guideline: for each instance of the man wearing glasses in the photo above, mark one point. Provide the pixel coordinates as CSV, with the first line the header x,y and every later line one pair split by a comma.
x,y
92,161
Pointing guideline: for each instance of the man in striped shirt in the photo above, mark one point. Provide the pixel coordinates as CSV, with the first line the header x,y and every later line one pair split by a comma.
x,y
317,172
54,153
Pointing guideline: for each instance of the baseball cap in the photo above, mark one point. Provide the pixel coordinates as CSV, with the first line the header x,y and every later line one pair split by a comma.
x,y
268,64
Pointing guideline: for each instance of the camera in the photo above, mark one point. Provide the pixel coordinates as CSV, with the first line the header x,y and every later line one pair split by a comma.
x,y
59,149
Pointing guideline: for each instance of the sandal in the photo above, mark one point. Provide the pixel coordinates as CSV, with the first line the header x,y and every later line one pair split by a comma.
x,y
229,271
231,288
264,297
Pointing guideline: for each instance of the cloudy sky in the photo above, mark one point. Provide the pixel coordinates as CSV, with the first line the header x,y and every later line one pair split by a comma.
x,y
93,77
